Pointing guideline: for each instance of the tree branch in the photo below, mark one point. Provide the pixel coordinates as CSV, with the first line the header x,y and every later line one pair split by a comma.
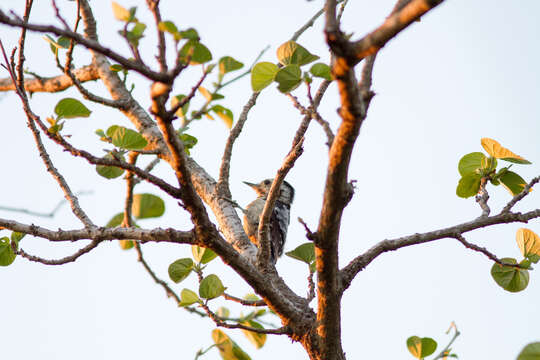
x,y
526,190
360,262
281,331
482,250
90,44
263,231
71,258
101,233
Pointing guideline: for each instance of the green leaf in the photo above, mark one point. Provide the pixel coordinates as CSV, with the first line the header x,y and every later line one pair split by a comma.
x,y
421,347
100,133
304,252
294,53
211,287
288,78
252,297
168,26
530,352
202,255
181,113
147,206
321,70
510,278
489,164
188,297
126,138
228,349
471,163
262,75
255,338
189,34
116,220
223,312
228,64
7,256
64,42
468,185
189,142
196,52
225,114
110,172
17,236
69,108
180,269
512,182
529,244
136,33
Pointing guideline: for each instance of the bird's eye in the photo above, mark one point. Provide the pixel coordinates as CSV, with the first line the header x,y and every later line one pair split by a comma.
x,y
266,182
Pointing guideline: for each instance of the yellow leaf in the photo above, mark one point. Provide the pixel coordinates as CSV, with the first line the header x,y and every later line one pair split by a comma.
x,y
210,117
120,12
528,242
226,119
205,93
495,149
126,244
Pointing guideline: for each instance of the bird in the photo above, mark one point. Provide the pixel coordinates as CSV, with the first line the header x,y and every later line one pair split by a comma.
x,y
279,220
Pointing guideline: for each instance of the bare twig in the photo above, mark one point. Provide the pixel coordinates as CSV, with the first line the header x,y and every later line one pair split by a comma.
x,y
223,182
49,214
263,232
309,234
153,5
482,250
526,190
71,258
281,331
168,290
244,301
483,197
445,352
311,286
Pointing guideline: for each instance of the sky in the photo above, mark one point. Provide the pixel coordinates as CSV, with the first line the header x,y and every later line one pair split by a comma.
x,y
468,70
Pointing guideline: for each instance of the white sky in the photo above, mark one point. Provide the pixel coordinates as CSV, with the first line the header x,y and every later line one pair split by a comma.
x,y
467,70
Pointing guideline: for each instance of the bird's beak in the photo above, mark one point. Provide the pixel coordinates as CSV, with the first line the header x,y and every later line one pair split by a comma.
x,y
250,184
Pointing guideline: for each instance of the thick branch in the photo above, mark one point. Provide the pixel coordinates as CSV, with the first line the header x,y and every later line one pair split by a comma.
x,y
402,16
52,84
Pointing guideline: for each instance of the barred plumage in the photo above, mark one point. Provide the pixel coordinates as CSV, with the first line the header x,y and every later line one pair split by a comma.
x,y
279,220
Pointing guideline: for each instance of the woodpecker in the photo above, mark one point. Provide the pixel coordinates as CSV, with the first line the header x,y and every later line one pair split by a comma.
x,y
279,220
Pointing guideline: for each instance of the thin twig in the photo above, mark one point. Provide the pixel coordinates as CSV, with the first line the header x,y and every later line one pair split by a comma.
x,y
263,232
49,214
280,331
162,48
244,301
71,258
483,197
168,290
526,190
482,250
